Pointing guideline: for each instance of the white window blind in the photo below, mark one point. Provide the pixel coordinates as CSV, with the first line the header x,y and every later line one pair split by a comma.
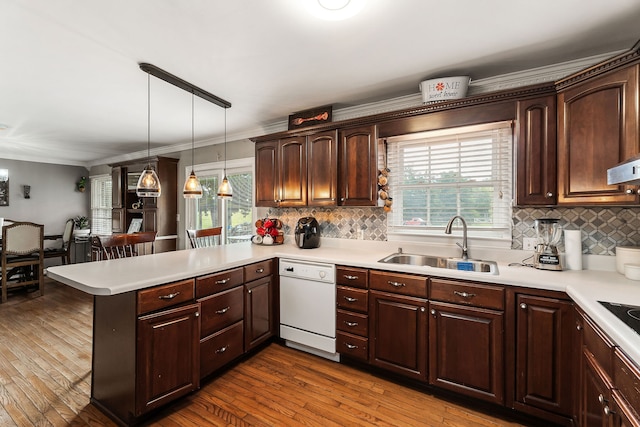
x,y
101,204
464,171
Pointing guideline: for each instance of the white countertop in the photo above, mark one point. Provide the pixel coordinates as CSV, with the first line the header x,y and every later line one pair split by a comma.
x,y
585,287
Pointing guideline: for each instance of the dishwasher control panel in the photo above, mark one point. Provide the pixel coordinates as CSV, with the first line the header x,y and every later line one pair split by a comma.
x,y
308,270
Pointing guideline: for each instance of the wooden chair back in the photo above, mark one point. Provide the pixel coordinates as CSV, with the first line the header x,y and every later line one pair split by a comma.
x,y
63,251
22,256
124,245
205,237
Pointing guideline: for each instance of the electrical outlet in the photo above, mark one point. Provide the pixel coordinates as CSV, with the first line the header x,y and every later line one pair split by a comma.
x,y
529,243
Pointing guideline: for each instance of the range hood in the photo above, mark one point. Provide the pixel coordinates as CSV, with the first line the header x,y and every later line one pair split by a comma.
x,y
627,172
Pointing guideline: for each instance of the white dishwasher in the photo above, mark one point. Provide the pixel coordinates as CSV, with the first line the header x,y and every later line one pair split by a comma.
x,y
308,307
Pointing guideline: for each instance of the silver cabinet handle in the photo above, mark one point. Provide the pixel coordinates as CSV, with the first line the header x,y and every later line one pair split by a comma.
x,y
351,299
351,324
348,277
396,284
223,311
260,270
223,281
350,346
249,291
433,312
170,296
222,349
607,411
464,294
523,306
629,191
197,314
549,194
579,327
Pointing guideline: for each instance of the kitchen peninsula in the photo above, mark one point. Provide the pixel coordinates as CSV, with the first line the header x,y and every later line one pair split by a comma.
x,y
118,280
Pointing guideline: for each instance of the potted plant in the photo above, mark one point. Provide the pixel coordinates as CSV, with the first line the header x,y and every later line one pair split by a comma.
x,y
81,226
81,185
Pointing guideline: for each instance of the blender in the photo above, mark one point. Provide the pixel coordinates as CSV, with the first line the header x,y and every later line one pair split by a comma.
x,y
549,233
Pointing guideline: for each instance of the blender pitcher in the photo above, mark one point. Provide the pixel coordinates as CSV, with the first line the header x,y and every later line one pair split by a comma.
x,y
549,233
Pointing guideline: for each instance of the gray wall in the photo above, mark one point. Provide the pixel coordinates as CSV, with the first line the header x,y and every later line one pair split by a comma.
x,y
54,197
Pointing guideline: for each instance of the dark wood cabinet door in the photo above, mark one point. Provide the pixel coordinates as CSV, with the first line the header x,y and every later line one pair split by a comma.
x,y
168,356
259,321
358,167
545,348
322,169
466,352
595,393
293,171
597,129
398,334
536,160
267,191
118,186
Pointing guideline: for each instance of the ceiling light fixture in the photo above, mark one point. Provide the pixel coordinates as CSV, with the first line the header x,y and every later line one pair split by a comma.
x,y
225,191
148,183
192,188
335,10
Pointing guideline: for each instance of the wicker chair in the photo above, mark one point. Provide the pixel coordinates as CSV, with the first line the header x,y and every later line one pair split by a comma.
x,y
22,256
205,237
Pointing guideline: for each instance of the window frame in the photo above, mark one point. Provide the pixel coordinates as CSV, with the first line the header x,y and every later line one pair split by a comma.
x,y
246,164
492,236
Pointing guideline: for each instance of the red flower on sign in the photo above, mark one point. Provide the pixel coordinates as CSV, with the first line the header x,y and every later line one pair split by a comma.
x,y
440,86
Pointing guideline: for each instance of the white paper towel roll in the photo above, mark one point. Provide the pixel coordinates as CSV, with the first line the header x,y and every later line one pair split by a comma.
x,y
573,249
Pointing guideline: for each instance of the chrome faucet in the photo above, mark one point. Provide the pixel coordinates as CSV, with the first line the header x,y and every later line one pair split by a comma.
x,y
463,246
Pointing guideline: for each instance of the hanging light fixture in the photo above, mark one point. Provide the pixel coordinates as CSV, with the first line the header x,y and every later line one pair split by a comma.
x,y
192,188
148,183
225,191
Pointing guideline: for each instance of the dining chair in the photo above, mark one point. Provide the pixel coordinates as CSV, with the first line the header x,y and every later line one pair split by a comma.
x,y
63,251
22,256
205,237
124,245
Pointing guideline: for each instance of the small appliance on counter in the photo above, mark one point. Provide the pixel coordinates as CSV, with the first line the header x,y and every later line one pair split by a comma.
x,y
549,234
307,233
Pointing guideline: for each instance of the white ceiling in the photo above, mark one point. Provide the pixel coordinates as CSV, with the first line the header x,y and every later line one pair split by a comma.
x,y
71,91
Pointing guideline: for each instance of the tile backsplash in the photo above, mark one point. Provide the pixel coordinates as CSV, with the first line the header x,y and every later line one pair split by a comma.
x,y
603,228
342,223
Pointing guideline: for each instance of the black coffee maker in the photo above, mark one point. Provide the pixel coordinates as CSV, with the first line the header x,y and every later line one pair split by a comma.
x,y
307,233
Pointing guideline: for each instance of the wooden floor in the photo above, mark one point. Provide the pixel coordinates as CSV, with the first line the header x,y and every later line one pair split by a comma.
x,y
45,363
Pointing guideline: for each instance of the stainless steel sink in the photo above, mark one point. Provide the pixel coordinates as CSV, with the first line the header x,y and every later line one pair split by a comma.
x,y
476,265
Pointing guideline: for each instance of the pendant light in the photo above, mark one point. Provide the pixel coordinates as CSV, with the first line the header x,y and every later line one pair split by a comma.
x,y
192,188
225,191
148,183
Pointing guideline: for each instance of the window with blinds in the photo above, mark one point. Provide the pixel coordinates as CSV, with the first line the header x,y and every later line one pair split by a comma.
x,y
464,171
101,204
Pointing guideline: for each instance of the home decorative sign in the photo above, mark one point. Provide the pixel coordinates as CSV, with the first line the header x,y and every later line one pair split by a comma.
x,y
4,187
311,117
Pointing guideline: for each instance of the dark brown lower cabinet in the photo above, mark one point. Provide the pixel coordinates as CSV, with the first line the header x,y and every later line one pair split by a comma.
x,y
168,361
595,393
466,351
259,320
398,334
545,359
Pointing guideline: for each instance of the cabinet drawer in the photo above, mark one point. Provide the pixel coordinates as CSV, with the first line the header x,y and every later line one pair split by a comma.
x,y
403,284
354,277
627,378
221,310
352,345
221,348
599,345
160,297
207,285
354,323
257,270
467,293
352,299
